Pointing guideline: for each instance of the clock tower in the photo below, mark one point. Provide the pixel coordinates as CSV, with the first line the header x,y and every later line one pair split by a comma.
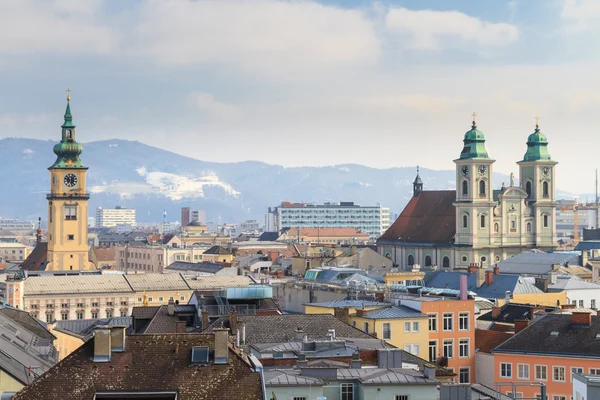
x,y
68,204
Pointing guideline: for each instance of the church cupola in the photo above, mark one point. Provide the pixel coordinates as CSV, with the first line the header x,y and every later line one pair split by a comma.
x,y
68,150
537,146
474,143
417,184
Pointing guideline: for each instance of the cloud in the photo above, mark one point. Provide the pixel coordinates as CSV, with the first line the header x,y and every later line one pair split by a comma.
x,y
432,30
207,103
579,15
415,102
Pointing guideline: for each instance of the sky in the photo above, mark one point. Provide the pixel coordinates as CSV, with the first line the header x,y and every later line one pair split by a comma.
x,y
379,83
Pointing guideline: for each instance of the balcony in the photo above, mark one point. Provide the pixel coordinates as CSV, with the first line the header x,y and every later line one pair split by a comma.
x,y
68,196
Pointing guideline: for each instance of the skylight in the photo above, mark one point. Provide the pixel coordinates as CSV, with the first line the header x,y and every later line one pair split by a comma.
x,y
200,354
554,333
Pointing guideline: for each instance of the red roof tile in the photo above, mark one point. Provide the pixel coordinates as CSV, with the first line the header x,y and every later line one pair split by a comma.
x,y
429,217
486,340
36,260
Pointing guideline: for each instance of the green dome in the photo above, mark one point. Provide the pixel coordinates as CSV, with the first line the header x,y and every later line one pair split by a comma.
x,y
537,146
68,150
474,144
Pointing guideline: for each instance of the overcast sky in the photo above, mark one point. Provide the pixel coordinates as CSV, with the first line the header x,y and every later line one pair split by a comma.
x,y
380,83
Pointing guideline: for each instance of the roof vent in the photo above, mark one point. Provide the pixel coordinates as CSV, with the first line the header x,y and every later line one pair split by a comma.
x,y
200,354
554,334
597,336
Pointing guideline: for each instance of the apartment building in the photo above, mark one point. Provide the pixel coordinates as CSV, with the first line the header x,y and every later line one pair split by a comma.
x,y
10,251
111,217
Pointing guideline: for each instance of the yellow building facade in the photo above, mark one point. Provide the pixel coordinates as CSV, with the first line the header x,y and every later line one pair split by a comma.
x,y
68,204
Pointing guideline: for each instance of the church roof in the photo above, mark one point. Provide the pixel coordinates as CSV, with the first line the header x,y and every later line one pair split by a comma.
x,y
474,144
428,218
537,146
36,260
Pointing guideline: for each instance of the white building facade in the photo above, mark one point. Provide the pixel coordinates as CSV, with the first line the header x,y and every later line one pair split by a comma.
x,y
111,217
373,220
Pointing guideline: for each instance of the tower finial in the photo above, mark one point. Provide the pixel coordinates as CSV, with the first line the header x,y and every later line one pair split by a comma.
x,y
474,115
417,170
68,94
537,122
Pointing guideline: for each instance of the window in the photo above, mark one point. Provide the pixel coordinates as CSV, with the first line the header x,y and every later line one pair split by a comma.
x,y
496,228
80,305
448,319
411,260
558,374
182,298
528,188
594,371
481,188
506,370
529,227
463,348
513,226
580,303
109,303
64,316
463,375
576,370
94,315
559,397
523,371
387,331
482,223
94,304
161,299
432,350
79,315
465,188
123,303
546,189
71,237
465,220
463,321
428,261
449,348
366,327
354,324
432,322
401,397
64,305
541,372
412,348
109,314
407,327
123,313
347,391
299,398
545,221
70,212
415,326
446,262
150,299
49,318
593,303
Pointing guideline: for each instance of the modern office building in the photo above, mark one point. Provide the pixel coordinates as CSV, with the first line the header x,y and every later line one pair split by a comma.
x,y
188,216
111,217
373,220
15,225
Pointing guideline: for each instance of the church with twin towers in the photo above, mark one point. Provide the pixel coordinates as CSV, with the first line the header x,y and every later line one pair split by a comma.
x,y
480,222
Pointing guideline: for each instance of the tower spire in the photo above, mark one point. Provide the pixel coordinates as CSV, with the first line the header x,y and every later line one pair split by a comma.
x,y
38,234
417,184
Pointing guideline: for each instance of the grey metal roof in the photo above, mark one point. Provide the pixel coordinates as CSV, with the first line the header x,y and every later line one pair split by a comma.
x,y
347,304
535,262
393,313
274,377
496,290
85,327
572,284
211,268
588,245
366,376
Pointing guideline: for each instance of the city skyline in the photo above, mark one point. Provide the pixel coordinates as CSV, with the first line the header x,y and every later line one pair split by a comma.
x,y
368,91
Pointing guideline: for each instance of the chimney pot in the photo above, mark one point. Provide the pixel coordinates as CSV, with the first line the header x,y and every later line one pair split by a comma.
x,y
496,269
489,277
496,312
221,345
361,312
480,276
299,334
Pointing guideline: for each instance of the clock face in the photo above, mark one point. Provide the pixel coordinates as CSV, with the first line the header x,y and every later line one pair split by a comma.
x,y
70,180
464,170
545,171
482,169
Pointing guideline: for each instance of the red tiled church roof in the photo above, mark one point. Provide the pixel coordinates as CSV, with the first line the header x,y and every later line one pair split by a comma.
x,y
36,260
429,217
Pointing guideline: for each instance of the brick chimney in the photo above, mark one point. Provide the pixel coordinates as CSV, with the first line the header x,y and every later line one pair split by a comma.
x,y
496,311
204,316
533,310
361,312
472,268
489,277
582,318
520,324
341,313
356,362
233,321
568,306
496,269
180,326
480,276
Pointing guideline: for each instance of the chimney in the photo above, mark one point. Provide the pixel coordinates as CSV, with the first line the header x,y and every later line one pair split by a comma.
x,y
379,296
301,363
204,316
171,307
472,268
581,318
361,312
429,372
331,334
496,269
520,324
480,276
341,313
542,284
463,287
496,311
221,345
299,334
533,310
489,277
102,343
356,362
233,321
180,327
568,306
117,338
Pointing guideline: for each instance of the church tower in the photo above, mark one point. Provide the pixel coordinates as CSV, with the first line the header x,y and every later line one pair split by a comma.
x,y
417,184
68,204
537,178
474,195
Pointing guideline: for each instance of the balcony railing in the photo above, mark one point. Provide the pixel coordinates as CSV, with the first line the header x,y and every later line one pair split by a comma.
x,y
68,196
240,309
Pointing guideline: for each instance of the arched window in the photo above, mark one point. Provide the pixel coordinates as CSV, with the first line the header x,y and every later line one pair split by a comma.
x,y
529,227
465,221
546,189
465,188
482,188
446,262
428,261
528,188
482,222
411,260
546,219
496,228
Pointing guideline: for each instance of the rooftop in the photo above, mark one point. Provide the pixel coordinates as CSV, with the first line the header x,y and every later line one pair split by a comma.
x,y
366,376
84,328
210,268
535,262
156,282
218,282
392,313
511,312
50,284
486,340
347,304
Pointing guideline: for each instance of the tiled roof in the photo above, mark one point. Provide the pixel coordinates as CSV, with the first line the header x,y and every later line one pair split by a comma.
x,y
555,334
36,260
145,312
162,322
217,250
218,282
268,237
393,313
211,268
109,283
327,232
429,217
104,253
149,363
486,340
156,282
513,311
282,328
347,304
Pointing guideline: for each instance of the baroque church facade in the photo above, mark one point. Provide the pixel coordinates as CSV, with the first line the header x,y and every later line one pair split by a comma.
x,y
67,247
476,224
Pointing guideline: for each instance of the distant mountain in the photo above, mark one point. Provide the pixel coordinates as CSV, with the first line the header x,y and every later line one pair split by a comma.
x,y
132,174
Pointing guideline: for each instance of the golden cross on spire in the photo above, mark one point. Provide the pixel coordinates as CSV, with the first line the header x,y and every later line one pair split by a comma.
x,y
68,94
537,121
473,115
